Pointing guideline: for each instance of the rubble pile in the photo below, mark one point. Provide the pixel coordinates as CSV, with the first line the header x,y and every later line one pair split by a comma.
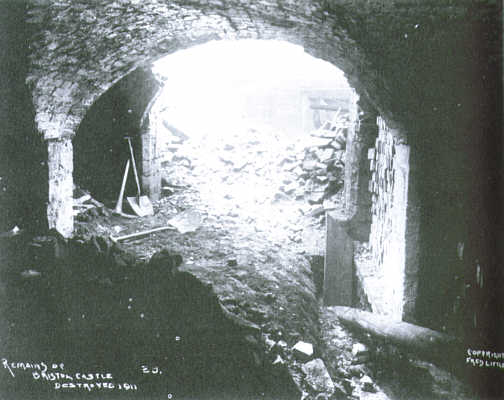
x,y
249,173
85,207
237,175
320,166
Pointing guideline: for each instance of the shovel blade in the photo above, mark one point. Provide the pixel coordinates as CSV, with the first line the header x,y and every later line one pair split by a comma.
x,y
141,205
146,205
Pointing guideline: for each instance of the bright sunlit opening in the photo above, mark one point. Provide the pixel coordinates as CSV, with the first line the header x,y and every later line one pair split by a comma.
x,y
231,117
228,84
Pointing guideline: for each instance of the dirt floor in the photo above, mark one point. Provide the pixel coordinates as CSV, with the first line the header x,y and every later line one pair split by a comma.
x,y
237,230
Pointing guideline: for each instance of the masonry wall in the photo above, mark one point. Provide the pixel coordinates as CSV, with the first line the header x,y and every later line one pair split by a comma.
x,y
23,154
383,274
357,172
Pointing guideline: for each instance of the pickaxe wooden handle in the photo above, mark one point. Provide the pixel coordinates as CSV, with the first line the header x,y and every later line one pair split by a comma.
x,y
140,234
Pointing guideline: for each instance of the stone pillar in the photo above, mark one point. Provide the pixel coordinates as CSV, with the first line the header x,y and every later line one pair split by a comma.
x,y
60,165
150,165
387,241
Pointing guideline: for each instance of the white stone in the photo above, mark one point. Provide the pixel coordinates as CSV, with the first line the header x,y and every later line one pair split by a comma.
x,y
278,360
366,379
303,349
270,343
318,377
358,348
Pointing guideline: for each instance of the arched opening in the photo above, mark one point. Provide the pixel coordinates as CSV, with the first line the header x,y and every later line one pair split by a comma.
x,y
259,127
294,109
100,148
259,157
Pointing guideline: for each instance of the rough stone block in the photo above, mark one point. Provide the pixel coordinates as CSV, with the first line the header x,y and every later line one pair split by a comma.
x,y
318,377
303,350
339,268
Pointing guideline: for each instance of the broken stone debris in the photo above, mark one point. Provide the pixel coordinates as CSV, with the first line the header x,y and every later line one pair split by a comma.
x,y
278,360
269,342
319,167
359,349
30,274
317,376
311,170
347,386
281,346
13,232
361,353
85,206
356,371
176,135
269,298
187,221
367,384
303,351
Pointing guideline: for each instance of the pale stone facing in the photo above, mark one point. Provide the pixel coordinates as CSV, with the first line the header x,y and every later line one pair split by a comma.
x,y
60,206
387,240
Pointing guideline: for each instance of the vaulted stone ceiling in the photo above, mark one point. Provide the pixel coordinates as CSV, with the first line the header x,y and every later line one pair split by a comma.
x,y
401,54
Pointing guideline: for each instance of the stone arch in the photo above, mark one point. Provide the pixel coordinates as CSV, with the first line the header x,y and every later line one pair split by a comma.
x,y
100,148
426,67
71,71
84,49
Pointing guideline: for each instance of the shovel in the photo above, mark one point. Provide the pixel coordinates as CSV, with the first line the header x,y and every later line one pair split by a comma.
x,y
141,205
118,208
